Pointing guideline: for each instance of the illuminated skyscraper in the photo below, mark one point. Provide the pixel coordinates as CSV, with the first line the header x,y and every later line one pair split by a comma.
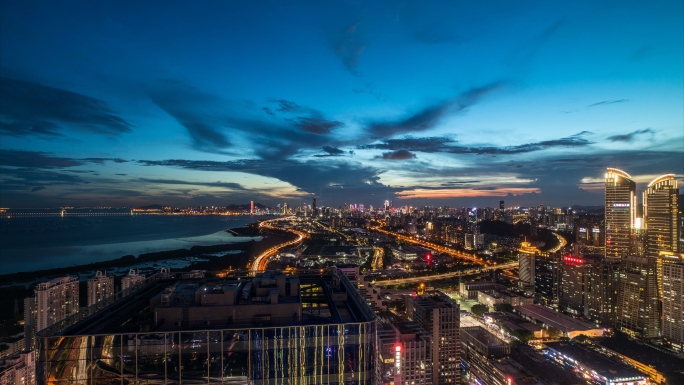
x,y
526,265
251,207
620,213
661,211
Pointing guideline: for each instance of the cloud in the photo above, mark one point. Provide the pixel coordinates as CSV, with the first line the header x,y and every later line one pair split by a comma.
x,y
631,136
318,126
348,46
338,181
38,188
445,145
289,106
432,115
31,109
397,155
35,159
607,102
426,144
332,151
194,110
228,185
104,160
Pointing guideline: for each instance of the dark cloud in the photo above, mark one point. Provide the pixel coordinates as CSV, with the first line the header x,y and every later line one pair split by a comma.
x,y
290,106
607,102
121,174
30,109
38,188
445,145
458,183
317,126
338,181
228,185
397,155
426,144
349,46
194,110
631,136
430,116
35,159
22,179
331,151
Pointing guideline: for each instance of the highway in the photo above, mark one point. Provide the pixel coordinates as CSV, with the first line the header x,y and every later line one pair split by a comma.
x,y
262,260
436,277
434,246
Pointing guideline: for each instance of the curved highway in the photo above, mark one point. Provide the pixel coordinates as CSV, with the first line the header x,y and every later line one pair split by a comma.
x,y
261,260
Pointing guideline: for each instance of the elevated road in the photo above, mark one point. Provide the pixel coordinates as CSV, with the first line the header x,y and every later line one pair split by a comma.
x,y
437,277
261,260
434,246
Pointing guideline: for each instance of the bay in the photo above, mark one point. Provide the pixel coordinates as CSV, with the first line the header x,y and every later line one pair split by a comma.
x,y
36,243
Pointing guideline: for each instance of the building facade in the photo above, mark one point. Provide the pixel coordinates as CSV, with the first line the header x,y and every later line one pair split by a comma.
x,y
620,213
439,315
637,304
261,330
661,211
672,281
55,300
99,287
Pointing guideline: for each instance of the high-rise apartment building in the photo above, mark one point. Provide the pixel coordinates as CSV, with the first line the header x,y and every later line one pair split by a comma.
x,y
671,282
637,304
99,287
603,290
527,255
575,274
132,279
620,213
661,213
439,315
55,300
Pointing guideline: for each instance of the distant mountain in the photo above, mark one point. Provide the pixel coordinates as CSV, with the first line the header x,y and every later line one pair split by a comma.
x,y
150,207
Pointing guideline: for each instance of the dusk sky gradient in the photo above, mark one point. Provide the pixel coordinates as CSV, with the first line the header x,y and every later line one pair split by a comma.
x,y
424,103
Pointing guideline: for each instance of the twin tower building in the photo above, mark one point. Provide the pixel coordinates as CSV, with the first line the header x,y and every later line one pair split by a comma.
x,y
644,237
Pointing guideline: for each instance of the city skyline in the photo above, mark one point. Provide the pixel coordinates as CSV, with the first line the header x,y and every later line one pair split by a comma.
x,y
420,104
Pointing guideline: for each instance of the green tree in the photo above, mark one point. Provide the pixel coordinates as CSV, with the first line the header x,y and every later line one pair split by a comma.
x,y
479,309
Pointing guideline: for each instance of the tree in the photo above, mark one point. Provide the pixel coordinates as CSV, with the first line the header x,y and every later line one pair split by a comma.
x,y
504,307
479,309
553,332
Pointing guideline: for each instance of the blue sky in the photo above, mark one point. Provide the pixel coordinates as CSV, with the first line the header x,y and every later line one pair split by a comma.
x,y
422,103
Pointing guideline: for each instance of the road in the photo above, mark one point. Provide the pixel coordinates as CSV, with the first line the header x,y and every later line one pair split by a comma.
x,y
261,260
434,246
436,277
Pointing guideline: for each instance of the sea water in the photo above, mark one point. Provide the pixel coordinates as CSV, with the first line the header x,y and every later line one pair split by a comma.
x,y
45,242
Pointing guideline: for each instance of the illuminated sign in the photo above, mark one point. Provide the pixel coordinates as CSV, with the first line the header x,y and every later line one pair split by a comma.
x,y
397,358
620,204
582,230
595,230
573,261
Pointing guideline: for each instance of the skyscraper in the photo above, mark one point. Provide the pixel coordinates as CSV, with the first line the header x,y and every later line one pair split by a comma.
x,y
620,211
526,265
660,212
